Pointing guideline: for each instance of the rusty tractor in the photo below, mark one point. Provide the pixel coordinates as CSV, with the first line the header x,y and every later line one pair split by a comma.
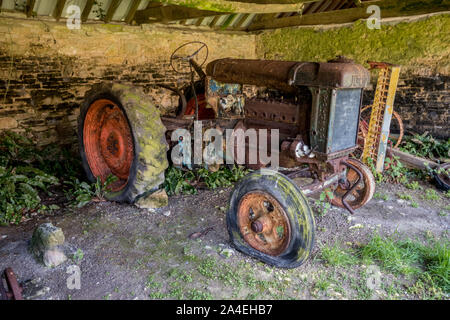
x,y
314,106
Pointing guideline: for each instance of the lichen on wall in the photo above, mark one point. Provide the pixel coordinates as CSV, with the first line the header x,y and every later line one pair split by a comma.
x,y
420,47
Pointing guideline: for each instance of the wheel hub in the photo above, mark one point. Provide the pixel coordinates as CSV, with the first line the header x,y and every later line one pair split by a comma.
x,y
257,226
108,142
264,223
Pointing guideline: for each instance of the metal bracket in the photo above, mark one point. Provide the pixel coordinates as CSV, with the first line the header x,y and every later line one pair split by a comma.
x,y
360,177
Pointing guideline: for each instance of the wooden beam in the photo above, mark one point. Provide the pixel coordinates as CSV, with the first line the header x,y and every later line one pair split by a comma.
x,y
412,161
154,4
248,20
239,23
111,10
214,21
271,1
389,9
170,13
29,7
58,9
130,15
232,6
199,22
87,10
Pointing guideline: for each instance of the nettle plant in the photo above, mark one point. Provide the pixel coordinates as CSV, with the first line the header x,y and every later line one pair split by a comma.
x,y
20,182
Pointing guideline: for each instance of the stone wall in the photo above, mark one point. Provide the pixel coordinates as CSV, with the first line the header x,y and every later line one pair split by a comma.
x,y
45,68
423,104
419,44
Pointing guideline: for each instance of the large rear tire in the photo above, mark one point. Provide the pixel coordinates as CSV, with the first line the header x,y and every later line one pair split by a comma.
x,y
120,133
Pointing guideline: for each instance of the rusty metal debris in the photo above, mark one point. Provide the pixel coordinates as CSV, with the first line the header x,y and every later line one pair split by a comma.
x,y
12,290
199,234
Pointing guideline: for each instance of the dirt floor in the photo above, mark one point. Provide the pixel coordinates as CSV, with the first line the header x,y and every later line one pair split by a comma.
x,y
130,253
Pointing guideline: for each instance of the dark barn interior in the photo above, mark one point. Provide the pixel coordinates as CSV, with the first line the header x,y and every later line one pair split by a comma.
x,y
92,93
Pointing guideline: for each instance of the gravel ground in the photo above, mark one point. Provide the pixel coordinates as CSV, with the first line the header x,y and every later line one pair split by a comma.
x,y
131,253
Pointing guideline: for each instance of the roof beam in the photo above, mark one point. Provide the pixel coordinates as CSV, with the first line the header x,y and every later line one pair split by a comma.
x,y
87,9
58,9
245,6
29,7
130,15
111,10
170,13
241,21
389,8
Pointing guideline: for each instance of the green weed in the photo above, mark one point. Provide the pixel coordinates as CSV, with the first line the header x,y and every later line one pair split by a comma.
x,y
426,146
336,256
404,196
411,258
184,182
430,194
81,193
413,185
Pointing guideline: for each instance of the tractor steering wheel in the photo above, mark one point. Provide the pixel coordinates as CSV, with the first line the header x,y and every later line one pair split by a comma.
x,y
196,47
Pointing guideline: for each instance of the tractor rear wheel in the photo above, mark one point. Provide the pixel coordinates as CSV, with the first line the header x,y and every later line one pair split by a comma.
x,y
121,134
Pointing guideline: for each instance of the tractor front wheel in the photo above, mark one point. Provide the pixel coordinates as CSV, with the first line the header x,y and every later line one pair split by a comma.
x,y
361,193
270,219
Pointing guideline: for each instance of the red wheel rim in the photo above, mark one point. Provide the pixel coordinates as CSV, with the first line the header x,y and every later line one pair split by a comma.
x,y
108,142
203,112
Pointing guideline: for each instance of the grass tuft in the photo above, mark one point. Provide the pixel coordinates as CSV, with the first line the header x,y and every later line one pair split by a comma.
x,y
336,256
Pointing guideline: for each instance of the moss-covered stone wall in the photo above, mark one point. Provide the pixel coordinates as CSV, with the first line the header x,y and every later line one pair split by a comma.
x,y
421,45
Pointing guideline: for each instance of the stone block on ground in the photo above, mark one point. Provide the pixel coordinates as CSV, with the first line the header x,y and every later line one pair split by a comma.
x,y
46,244
54,257
157,199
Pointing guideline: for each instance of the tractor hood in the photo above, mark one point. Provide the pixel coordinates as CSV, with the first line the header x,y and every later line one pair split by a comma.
x,y
286,75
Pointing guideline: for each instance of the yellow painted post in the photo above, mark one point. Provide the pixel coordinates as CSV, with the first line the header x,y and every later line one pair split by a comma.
x,y
380,118
389,108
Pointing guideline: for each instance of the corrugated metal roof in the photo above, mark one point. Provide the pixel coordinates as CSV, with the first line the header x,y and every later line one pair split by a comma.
x,y
127,9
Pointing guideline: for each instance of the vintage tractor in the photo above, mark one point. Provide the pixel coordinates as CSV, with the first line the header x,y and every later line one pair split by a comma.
x,y
314,106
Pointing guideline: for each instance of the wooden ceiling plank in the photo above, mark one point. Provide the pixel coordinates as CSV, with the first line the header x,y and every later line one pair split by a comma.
x,y
325,6
58,9
214,21
334,5
170,13
199,22
154,4
87,10
249,20
389,8
130,15
29,7
111,10
312,8
241,21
